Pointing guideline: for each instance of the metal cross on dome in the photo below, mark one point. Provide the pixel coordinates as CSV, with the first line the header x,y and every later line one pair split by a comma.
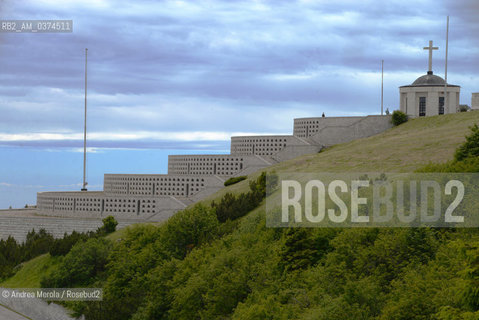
x,y
430,48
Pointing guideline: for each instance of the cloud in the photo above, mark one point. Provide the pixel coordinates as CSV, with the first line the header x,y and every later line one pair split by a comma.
x,y
101,141
112,136
5,184
181,69
81,150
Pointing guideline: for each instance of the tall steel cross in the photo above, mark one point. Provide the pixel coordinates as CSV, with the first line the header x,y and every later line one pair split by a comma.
x,y
430,48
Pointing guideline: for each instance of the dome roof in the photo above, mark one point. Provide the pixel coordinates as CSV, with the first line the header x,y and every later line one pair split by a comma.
x,y
429,80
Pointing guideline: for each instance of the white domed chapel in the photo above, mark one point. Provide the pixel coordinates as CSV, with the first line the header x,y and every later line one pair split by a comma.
x,y
425,96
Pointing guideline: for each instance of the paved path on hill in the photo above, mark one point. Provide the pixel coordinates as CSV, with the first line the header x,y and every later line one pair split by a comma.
x,y
7,314
31,308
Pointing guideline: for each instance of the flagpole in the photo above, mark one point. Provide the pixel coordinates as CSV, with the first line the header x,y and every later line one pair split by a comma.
x,y
382,85
446,107
84,131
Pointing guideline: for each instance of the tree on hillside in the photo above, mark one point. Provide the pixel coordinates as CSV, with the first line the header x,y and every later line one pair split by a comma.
x,y
81,266
470,148
304,247
398,117
109,225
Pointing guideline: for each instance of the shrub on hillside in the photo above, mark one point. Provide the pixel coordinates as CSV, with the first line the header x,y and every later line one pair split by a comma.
x,y
81,266
234,180
37,243
109,226
11,254
304,247
466,165
61,247
398,117
232,207
187,229
470,148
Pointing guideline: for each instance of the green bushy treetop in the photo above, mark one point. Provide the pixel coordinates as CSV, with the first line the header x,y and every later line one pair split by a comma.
x,y
470,148
234,180
398,117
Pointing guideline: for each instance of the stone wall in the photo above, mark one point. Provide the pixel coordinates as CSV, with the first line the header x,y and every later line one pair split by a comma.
x,y
17,224
475,101
330,131
157,184
99,205
307,127
263,145
220,165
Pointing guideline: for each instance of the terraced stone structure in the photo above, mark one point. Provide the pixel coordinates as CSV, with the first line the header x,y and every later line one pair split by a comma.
x,y
191,178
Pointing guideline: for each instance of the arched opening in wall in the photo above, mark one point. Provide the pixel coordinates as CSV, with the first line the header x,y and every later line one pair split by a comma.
x,y
187,190
138,208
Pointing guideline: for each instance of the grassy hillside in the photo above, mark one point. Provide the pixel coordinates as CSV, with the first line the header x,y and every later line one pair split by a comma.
x,y
30,274
401,149
194,267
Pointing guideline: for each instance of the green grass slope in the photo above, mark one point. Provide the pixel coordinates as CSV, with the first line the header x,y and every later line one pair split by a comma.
x,y
31,272
400,149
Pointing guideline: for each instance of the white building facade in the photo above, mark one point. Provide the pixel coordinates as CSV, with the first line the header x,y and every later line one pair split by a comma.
x,y
425,97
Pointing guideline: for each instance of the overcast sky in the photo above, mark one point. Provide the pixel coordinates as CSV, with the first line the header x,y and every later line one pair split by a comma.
x,y
189,74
